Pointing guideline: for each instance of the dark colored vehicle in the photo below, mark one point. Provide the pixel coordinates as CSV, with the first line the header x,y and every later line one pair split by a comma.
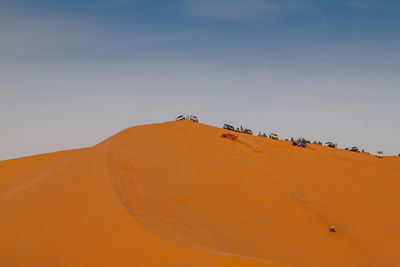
x,y
300,143
229,136
355,149
330,144
248,131
228,127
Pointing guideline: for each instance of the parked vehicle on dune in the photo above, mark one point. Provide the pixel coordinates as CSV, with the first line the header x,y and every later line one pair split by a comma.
x,y
273,136
187,117
331,144
229,136
248,131
299,143
193,118
354,149
379,154
180,118
228,127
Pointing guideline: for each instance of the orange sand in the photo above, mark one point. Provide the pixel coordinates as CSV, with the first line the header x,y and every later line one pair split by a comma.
x,y
176,194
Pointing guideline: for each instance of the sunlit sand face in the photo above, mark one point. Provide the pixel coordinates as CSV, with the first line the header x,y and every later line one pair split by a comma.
x,y
178,194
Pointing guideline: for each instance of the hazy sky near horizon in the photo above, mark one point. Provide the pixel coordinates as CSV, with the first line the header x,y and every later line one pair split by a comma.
x,y
73,73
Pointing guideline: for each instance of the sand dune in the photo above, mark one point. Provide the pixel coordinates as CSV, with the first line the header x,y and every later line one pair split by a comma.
x,y
176,194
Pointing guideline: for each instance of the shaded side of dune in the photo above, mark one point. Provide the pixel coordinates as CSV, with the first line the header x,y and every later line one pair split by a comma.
x,y
60,209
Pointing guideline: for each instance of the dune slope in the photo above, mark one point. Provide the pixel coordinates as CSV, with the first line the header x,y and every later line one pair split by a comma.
x,y
176,194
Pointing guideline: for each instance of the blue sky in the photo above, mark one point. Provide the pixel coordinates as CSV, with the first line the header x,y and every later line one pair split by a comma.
x,y
74,72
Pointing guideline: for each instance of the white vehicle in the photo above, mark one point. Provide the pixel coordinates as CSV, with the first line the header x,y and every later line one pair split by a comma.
x,y
379,154
180,118
193,118
331,144
273,136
